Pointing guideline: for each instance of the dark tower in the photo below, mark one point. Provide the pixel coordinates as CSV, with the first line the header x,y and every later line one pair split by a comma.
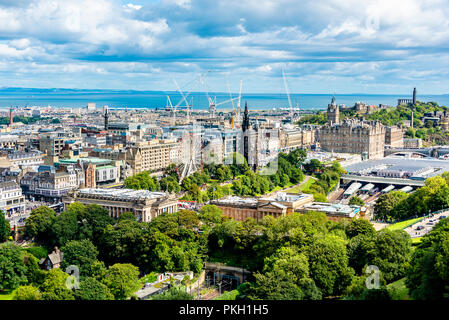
x,y
245,127
414,96
106,118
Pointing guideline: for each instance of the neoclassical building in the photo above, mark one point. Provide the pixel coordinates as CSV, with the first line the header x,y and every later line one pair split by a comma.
x,y
144,204
257,208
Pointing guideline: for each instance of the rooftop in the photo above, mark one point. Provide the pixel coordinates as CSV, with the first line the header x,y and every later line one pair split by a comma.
x,y
334,208
124,193
414,165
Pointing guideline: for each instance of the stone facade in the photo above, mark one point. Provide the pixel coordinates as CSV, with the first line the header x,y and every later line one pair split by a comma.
x,y
153,155
333,113
291,139
353,136
412,143
394,137
144,204
241,209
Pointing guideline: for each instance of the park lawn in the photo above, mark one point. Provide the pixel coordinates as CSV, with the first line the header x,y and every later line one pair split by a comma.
x,y
416,240
403,224
398,290
6,295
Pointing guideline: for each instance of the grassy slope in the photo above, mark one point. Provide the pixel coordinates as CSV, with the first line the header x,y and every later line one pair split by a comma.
x,y
302,187
6,295
403,224
398,290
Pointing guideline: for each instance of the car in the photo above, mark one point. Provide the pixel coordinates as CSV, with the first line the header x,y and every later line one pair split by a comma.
x,y
419,227
442,217
430,223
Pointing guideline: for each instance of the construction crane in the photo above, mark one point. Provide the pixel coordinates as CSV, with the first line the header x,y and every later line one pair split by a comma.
x,y
188,107
288,93
213,102
232,101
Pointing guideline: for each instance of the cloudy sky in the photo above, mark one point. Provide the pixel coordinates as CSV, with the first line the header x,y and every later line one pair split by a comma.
x,y
325,46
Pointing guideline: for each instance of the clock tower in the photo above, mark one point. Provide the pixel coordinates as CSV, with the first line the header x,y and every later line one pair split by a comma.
x,y
333,112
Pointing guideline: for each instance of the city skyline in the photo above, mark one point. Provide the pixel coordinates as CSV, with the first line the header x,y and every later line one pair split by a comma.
x,y
349,47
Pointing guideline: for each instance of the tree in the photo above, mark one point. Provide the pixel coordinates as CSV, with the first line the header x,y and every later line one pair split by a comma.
x,y
285,276
360,226
357,290
383,209
97,219
122,280
121,242
210,214
329,267
34,274
65,228
5,228
81,253
174,293
319,197
55,286
127,216
388,250
12,267
39,222
92,289
428,275
27,293
356,201
313,166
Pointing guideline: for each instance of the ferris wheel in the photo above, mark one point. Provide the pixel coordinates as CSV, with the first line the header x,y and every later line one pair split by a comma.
x,y
189,153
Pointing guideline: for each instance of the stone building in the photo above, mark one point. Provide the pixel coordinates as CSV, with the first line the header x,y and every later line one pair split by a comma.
x,y
394,137
152,155
280,205
333,112
144,204
291,139
11,198
352,136
412,143
53,260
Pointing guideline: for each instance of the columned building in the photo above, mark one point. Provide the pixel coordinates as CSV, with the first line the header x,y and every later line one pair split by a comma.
x,y
144,204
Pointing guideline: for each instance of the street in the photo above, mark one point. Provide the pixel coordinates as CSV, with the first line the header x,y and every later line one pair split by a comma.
x,y
423,227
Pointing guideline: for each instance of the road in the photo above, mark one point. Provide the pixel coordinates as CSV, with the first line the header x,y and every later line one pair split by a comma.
x,y
427,223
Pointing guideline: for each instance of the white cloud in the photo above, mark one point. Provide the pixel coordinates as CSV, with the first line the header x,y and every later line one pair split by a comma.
x,y
331,38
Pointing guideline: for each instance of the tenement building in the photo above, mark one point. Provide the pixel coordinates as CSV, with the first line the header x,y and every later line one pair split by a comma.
x,y
144,204
291,139
151,155
394,137
352,136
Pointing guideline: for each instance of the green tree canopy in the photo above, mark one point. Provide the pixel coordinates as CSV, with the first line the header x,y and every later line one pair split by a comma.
x,y
55,286
12,267
81,253
122,280
39,222
27,293
5,228
92,289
